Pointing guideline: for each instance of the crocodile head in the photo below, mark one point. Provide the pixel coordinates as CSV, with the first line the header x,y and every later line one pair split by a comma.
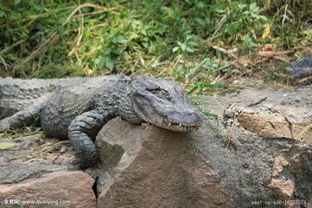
x,y
163,103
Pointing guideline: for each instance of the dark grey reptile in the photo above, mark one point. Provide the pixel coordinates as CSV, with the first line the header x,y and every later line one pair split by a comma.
x,y
301,68
77,108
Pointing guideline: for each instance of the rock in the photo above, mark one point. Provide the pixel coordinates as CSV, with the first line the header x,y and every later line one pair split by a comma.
x,y
242,160
274,114
57,189
276,124
285,118
284,189
152,167
31,158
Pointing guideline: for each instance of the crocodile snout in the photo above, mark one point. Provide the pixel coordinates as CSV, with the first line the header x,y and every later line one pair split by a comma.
x,y
186,119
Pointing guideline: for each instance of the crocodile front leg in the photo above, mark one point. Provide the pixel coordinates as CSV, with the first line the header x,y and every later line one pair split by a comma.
x,y
83,130
24,117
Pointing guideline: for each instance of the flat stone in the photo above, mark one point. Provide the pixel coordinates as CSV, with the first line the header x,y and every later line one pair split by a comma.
x,y
71,189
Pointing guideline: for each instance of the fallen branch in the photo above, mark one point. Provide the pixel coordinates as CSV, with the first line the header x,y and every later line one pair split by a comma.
x,y
12,46
100,8
79,37
4,63
217,28
258,102
275,55
224,51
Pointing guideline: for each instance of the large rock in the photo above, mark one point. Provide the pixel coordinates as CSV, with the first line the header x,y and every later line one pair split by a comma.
x,y
72,189
285,117
152,167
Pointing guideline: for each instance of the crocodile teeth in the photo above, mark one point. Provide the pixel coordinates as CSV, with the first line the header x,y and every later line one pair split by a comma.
x,y
146,124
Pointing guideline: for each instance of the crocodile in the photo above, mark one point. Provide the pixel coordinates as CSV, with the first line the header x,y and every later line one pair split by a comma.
x,y
77,108
301,68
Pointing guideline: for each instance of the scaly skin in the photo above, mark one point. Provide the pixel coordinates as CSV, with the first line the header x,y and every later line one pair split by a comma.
x,y
78,108
301,68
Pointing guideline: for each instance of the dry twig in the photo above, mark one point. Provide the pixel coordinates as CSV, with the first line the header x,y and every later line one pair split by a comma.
x,y
305,130
224,51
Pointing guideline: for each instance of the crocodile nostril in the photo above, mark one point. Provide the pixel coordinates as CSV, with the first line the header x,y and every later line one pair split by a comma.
x,y
195,119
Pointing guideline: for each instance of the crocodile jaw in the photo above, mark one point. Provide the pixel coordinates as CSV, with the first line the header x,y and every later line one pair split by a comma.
x,y
181,118
179,127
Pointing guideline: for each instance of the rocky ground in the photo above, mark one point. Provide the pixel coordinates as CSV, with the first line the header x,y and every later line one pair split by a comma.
x,y
256,154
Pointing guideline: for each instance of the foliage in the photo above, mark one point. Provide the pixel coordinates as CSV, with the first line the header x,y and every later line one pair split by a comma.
x,y
188,40
6,145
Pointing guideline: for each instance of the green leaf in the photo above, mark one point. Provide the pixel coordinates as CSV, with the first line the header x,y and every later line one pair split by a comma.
x,y
253,7
15,16
61,30
262,17
2,13
241,6
192,43
175,49
109,63
249,42
191,50
137,22
183,46
201,22
88,34
189,37
220,11
210,115
16,2
38,7
144,32
98,61
201,5
120,39
6,145
232,29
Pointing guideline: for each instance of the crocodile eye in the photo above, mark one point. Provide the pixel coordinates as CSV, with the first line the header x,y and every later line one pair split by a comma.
x,y
160,93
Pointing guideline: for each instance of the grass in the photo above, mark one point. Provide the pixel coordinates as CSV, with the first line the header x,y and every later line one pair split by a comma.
x,y
206,45
21,133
